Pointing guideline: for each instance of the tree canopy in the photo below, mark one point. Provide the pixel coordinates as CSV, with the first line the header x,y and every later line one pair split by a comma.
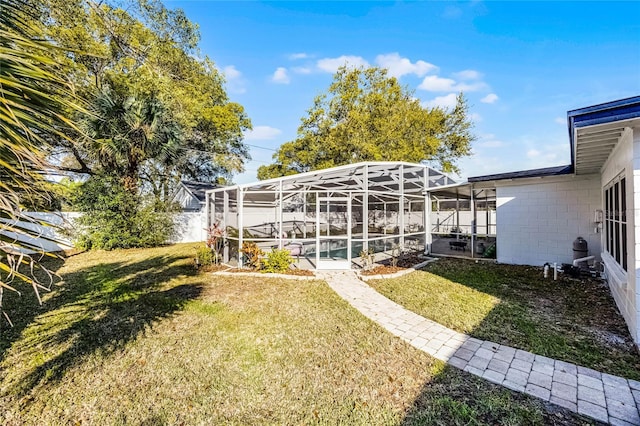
x,y
159,111
366,115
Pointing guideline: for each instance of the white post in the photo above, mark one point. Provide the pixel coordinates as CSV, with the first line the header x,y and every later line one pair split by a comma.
x,y
317,195
207,210
225,220
365,210
401,206
304,214
240,203
427,213
458,229
473,223
280,206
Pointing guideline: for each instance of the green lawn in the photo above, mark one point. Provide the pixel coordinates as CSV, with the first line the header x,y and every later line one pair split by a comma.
x,y
572,320
138,337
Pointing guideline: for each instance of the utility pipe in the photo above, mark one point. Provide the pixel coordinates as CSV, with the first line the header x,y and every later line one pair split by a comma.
x,y
582,259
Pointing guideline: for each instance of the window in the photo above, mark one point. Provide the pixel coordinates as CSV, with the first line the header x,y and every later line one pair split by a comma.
x,y
615,222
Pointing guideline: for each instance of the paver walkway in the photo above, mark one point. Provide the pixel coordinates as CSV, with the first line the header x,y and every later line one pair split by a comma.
x,y
601,396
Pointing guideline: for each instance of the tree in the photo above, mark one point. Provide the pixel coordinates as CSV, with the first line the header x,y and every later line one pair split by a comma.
x,y
124,132
32,99
367,116
116,217
144,60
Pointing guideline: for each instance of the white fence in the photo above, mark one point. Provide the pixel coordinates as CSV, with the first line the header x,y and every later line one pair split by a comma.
x,y
190,227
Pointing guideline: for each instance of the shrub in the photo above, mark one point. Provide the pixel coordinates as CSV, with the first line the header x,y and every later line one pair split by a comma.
x,y
252,254
277,260
204,256
114,217
215,241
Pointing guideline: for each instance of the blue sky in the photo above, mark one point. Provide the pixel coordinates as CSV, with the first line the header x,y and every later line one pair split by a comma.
x,y
521,65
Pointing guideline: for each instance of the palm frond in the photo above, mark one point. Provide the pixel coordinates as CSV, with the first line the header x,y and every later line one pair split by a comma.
x,y
32,100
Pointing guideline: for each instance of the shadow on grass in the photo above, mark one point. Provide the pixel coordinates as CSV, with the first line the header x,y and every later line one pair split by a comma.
x,y
97,309
454,397
23,308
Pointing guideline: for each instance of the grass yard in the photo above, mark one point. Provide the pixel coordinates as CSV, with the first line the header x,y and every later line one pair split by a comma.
x,y
571,320
137,337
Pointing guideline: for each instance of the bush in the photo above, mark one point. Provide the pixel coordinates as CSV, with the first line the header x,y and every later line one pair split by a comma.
x,y
252,254
114,217
215,241
204,256
277,260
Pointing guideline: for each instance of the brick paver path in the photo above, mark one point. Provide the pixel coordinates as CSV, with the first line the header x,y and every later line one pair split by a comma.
x,y
601,396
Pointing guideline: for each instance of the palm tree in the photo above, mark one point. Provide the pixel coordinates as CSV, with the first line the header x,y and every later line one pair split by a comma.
x,y
32,98
127,130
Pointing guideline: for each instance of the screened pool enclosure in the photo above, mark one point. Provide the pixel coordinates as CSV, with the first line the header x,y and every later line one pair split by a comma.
x,y
326,219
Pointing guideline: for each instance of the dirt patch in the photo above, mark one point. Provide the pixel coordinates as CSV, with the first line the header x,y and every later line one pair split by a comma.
x,y
296,272
385,267
213,268
382,270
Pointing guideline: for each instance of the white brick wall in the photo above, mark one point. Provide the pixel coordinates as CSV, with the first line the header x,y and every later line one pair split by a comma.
x,y
538,219
633,290
626,159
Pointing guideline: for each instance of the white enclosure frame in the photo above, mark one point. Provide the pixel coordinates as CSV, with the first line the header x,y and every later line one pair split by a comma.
x,y
387,207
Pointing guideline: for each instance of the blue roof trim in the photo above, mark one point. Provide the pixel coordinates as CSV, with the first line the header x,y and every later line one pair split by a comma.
x,y
609,112
548,171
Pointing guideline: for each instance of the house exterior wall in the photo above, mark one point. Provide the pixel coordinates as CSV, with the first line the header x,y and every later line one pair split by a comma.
x,y
538,219
633,290
625,159
186,200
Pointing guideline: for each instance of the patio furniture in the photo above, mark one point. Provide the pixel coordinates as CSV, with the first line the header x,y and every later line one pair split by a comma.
x,y
458,245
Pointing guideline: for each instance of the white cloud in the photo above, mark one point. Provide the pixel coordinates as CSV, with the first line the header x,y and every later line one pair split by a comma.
x,y
489,99
488,140
480,165
230,72
561,120
433,83
280,76
533,153
331,65
295,56
492,143
468,75
447,101
235,82
399,66
472,87
545,155
475,117
301,70
262,133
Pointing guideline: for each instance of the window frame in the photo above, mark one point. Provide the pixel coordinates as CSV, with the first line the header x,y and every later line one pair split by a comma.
x,y
615,220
